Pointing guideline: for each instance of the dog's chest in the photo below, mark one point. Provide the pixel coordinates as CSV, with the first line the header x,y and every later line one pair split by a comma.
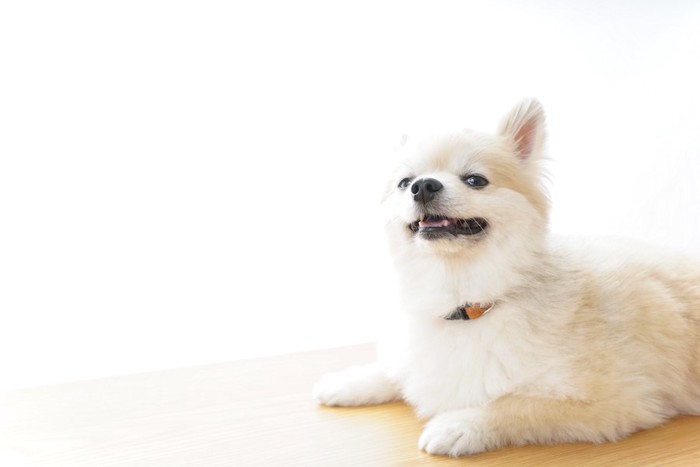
x,y
455,365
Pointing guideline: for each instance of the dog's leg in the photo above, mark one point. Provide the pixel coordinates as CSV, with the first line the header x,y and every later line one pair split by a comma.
x,y
358,385
518,420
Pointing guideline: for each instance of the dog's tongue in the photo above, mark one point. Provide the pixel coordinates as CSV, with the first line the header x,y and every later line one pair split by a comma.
x,y
428,223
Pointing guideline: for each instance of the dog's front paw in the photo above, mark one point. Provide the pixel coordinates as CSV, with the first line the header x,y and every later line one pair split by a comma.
x,y
359,385
456,434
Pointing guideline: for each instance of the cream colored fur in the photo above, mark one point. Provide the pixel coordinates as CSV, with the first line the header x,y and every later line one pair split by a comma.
x,y
589,340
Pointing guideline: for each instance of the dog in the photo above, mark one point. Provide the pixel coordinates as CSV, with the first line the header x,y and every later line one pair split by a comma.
x,y
514,336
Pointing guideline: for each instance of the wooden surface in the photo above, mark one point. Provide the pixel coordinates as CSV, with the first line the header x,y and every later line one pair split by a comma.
x,y
259,412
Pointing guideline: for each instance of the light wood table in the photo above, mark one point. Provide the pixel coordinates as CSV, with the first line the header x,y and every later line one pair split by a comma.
x,y
260,412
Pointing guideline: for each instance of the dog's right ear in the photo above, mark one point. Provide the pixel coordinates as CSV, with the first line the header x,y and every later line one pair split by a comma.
x,y
524,126
402,141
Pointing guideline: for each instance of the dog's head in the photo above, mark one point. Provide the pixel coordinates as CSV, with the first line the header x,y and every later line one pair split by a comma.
x,y
457,193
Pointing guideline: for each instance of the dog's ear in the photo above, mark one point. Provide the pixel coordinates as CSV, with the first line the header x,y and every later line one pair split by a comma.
x,y
402,141
524,125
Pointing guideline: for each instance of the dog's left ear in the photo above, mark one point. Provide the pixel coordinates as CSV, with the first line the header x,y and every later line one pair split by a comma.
x,y
524,125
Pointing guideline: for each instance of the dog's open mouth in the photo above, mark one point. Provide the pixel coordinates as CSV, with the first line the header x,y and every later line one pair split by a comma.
x,y
440,226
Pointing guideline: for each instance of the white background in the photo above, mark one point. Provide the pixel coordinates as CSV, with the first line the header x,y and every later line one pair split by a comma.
x,y
193,182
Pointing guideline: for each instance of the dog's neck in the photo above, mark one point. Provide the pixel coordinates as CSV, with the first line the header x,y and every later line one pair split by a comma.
x,y
437,284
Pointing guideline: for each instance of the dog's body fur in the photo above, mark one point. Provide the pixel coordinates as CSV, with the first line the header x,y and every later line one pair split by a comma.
x,y
588,341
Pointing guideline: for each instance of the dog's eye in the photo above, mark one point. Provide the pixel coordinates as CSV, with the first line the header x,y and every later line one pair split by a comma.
x,y
403,184
476,181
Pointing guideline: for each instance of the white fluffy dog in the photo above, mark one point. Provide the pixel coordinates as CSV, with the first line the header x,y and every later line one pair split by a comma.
x,y
513,337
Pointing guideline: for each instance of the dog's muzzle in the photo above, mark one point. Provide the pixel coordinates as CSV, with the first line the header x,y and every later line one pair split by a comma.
x,y
431,224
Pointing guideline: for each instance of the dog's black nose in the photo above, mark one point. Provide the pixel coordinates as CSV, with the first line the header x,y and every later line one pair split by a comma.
x,y
424,189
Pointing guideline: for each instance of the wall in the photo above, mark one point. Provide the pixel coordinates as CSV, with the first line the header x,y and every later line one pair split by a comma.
x,y
192,182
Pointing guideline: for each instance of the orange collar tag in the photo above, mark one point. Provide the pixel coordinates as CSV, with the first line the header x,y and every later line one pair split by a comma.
x,y
470,311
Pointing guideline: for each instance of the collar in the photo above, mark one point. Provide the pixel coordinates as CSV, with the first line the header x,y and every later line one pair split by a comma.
x,y
470,311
